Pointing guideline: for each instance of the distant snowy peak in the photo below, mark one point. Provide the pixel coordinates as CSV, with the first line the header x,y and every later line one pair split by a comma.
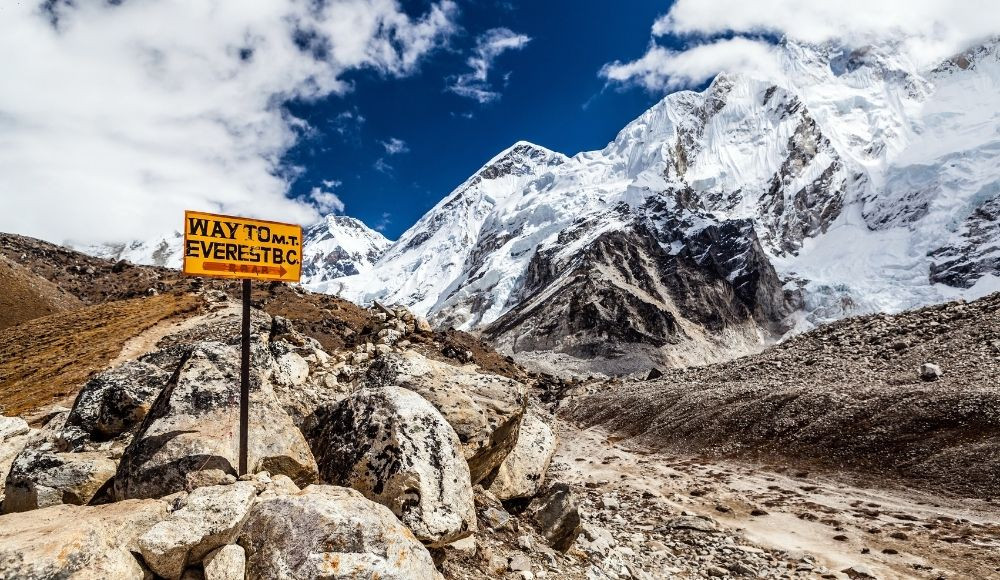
x,y
339,246
336,246
164,251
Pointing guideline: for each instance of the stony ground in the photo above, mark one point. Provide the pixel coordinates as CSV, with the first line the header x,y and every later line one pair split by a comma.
x,y
845,397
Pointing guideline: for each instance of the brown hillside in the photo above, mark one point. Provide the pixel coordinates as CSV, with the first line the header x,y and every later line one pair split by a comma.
x,y
25,296
45,360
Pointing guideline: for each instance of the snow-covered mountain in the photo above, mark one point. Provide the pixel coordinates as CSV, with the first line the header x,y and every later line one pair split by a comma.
x,y
334,247
339,246
719,220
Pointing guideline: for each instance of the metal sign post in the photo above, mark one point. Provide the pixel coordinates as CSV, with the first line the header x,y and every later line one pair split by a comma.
x,y
221,246
245,378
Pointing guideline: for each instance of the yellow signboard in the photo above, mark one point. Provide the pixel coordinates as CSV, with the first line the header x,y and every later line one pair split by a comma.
x,y
224,246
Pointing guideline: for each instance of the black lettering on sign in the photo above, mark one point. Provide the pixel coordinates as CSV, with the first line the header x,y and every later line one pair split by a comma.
x,y
292,257
191,249
198,227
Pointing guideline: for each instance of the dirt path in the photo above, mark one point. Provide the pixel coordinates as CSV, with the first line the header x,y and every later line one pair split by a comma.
x,y
819,525
146,341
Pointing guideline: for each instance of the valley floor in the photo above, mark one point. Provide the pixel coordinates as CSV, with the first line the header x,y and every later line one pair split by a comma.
x,y
773,521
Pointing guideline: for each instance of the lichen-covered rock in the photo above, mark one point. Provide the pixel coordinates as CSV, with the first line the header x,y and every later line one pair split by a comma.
x,y
82,543
396,448
41,477
523,470
330,532
557,516
194,425
117,400
485,410
211,517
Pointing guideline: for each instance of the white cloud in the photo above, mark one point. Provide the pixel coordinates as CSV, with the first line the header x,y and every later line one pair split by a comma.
x,y
927,32
326,201
383,222
660,68
395,146
115,117
331,183
382,166
475,84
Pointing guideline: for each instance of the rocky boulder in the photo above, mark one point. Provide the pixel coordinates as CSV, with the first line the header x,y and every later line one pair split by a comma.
x,y
485,410
77,542
330,532
42,477
396,449
117,400
14,435
557,516
523,470
194,426
210,518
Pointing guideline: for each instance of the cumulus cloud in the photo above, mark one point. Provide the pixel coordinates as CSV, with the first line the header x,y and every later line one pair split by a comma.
x,y
326,201
716,31
475,84
115,117
394,146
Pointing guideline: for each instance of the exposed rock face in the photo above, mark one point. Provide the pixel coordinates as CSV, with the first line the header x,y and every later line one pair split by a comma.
x,y
628,302
556,513
194,425
485,410
523,471
42,477
395,448
330,532
86,543
117,400
974,251
211,518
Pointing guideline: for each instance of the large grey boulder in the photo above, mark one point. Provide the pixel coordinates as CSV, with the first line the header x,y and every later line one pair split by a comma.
x,y
210,518
556,514
116,401
83,543
42,477
194,425
330,532
522,472
485,410
396,449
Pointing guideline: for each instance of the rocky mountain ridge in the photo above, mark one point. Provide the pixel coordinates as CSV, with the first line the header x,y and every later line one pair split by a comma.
x,y
856,182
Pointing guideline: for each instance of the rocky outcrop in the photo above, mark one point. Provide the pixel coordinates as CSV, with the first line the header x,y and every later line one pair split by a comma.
x,y
86,543
330,532
117,400
522,472
557,516
485,410
194,426
41,477
210,518
396,449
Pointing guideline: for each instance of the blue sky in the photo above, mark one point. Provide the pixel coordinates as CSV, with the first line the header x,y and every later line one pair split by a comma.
x,y
553,97
115,117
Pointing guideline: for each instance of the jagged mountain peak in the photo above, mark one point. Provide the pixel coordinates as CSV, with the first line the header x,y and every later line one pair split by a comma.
x,y
833,187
